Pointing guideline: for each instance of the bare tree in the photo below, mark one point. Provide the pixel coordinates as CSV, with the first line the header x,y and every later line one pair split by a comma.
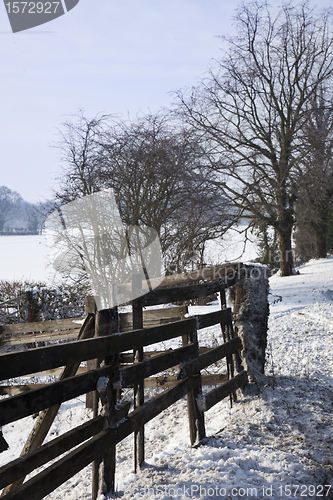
x,y
156,170
315,200
10,202
253,107
79,145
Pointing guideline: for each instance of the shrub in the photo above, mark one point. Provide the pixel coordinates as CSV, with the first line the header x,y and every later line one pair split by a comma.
x,y
66,300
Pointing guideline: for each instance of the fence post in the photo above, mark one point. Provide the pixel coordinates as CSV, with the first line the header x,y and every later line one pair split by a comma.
x,y
109,461
32,307
250,315
139,437
90,308
195,415
226,332
103,477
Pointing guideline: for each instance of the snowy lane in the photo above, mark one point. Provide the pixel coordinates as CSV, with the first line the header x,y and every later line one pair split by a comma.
x,y
281,436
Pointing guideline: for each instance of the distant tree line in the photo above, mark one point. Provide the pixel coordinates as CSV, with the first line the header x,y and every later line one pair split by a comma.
x,y
17,215
253,140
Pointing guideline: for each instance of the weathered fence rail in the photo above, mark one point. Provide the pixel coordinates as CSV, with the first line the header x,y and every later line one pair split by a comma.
x,y
96,439
68,329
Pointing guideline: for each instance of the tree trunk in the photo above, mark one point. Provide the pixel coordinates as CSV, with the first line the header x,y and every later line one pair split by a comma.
x,y
286,252
321,244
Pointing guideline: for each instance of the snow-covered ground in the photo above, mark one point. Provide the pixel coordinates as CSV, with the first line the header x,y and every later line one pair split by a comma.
x,y
24,258
276,441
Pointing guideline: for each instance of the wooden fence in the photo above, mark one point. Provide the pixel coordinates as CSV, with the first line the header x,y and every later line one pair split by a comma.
x,y
95,441
68,329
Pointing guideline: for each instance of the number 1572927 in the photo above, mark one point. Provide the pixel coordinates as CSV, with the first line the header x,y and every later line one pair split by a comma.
x,y
32,7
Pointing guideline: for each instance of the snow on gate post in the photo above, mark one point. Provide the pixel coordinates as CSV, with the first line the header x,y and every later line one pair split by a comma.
x,y
249,298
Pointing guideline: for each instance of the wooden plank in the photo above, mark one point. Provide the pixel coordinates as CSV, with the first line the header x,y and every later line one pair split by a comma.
x,y
210,357
39,337
12,390
164,312
213,318
53,476
27,463
41,326
56,371
149,382
166,381
216,395
155,314
128,357
214,273
151,323
156,364
167,295
153,317
44,358
20,406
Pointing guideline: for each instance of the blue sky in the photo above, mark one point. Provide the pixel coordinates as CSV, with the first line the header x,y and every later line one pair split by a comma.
x,y
117,57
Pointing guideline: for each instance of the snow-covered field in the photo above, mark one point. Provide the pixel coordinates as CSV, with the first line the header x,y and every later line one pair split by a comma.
x,y
237,245
24,258
27,257
277,440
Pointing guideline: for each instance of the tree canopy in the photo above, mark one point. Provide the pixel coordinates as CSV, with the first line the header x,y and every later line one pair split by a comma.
x,y
253,108
156,168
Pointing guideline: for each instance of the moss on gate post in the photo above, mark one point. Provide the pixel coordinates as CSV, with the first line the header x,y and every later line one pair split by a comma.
x,y
250,316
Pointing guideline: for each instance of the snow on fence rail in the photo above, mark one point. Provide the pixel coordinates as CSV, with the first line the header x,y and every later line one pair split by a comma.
x,y
96,439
